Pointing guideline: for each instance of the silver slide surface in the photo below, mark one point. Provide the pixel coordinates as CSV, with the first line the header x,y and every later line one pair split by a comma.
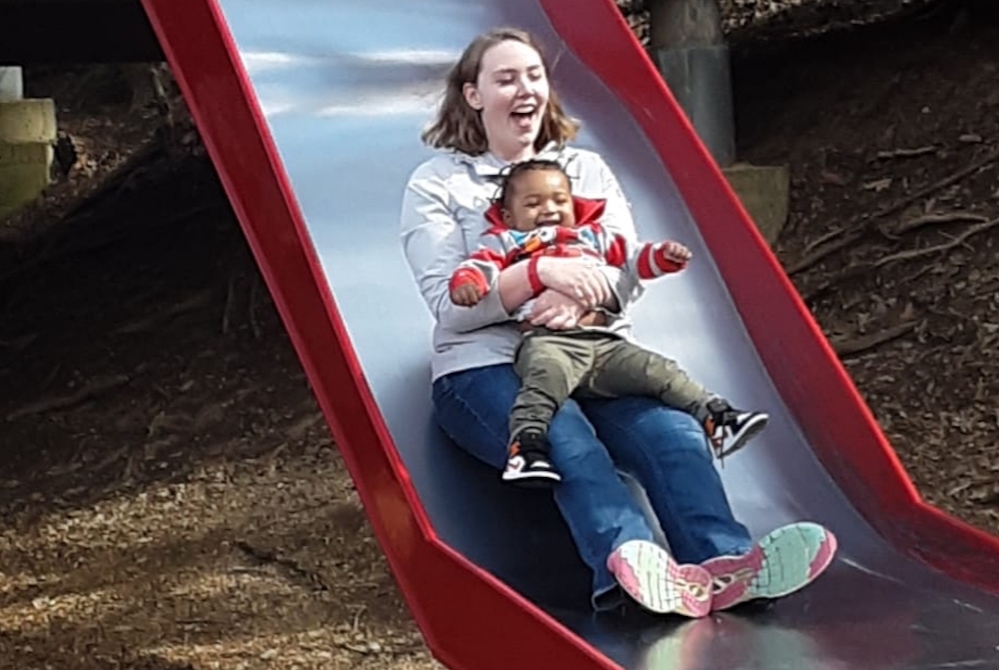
x,y
346,87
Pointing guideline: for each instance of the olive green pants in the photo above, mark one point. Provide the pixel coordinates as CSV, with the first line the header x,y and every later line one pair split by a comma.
x,y
554,365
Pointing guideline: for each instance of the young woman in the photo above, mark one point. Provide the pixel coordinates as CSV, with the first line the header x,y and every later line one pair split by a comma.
x,y
499,109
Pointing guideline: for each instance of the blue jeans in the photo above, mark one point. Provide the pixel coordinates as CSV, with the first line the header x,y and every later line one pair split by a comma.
x,y
664,449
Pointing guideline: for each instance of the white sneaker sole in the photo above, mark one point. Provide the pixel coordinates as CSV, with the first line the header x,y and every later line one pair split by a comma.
x,y
516,473
655,581
785,561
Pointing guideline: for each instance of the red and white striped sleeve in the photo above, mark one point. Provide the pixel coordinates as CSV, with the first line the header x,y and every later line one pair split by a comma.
x,y
483,266
645,260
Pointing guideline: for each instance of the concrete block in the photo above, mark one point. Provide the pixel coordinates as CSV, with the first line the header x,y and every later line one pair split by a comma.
x,y
765,192
24,173
32,120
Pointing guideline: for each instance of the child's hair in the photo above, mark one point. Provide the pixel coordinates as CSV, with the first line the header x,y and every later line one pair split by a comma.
x,y
524,167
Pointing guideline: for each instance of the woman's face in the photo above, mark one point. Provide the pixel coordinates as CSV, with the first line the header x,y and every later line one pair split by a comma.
x,y
511,92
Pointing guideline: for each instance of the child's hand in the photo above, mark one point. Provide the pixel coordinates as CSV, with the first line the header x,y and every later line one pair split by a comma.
x,y
659,258
676,252
466,295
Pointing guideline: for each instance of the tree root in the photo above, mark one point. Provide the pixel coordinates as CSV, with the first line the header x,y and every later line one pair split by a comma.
x,y
827,245
858,345
907,255
91,389
910,254
931,220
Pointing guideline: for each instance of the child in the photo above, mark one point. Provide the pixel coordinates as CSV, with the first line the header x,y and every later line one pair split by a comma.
x,y
537,215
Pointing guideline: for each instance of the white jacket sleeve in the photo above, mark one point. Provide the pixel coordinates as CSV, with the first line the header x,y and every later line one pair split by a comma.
x,y
434,246
618,221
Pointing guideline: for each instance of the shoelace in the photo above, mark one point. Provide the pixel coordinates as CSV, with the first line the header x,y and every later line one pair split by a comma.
x,y
718,442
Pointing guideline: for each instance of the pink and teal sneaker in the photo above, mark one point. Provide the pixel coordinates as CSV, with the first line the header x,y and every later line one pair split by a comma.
x,y
649,574
783,562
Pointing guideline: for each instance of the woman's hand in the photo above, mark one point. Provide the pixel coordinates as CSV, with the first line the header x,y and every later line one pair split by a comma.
x,y
557,311
577,278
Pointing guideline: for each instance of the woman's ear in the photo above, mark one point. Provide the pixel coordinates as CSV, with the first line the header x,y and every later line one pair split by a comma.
x,y
472,96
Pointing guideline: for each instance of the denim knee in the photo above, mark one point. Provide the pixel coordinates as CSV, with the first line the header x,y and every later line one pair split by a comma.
x,y
473,406
573,439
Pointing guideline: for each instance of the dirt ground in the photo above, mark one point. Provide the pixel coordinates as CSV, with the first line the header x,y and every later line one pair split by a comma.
x,y
753,22
894,156
171,497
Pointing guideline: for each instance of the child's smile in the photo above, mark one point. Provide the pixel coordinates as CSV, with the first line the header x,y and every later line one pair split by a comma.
x,y
540,198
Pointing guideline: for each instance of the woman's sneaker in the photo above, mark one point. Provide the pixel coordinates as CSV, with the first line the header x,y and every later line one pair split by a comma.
x,y
528,463
784,561
649,574
730,429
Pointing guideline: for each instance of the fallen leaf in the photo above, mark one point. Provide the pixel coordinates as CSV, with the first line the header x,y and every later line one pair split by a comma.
x,y
878,185
834,178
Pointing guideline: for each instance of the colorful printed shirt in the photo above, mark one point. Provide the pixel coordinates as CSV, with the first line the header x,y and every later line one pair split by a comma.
x,y
502,247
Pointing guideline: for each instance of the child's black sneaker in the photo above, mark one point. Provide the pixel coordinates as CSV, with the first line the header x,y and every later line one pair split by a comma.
x,y
730,429
528,463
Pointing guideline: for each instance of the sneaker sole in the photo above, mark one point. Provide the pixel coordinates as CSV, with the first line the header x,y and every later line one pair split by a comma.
x,y
532,479
658,583
785,561
748,432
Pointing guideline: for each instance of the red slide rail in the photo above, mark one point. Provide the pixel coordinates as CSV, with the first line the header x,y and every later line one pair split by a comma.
x,y
450,598
443,590
805,370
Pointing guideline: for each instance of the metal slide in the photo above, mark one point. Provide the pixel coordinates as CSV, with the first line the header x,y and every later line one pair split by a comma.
x,y
311,111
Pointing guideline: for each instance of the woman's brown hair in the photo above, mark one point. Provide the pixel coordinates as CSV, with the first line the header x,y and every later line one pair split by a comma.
x,y
460,127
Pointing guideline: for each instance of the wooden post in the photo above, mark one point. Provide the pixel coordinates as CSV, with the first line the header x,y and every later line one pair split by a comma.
x,y
687,43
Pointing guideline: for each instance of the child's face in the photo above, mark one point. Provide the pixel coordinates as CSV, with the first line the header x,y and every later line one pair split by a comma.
x,y
539,198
